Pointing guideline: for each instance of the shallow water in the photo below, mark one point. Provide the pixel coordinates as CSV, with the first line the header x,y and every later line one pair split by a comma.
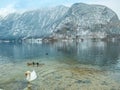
x,y
87,65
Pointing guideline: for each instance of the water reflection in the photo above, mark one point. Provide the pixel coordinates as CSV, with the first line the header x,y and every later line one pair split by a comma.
x,y
86,52
95,53
29,87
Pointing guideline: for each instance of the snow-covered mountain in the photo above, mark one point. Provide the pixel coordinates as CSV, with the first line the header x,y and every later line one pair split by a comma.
x,y
35,23
78,20
83,20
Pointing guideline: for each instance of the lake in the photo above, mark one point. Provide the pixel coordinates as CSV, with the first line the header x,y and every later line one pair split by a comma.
x,y
86,65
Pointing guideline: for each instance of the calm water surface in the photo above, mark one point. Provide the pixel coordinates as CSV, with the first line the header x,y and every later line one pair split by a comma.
x,y
98,54
88,52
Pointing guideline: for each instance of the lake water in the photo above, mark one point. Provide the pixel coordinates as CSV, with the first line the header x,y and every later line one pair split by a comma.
x,y
103,56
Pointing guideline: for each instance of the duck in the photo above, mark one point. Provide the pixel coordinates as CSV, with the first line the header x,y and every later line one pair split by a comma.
x,y
37,64
29,64
30,76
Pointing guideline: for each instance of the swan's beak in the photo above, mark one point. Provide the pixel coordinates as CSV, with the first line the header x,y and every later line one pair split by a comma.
x,y
26,74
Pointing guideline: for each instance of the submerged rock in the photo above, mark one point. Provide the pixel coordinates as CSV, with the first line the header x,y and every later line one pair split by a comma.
x,y
83,81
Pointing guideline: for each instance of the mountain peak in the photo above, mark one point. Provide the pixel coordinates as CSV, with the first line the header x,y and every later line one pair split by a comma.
x,y
80,17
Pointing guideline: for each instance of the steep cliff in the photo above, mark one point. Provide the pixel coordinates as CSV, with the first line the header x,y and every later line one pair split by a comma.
x,y
79,20
83,20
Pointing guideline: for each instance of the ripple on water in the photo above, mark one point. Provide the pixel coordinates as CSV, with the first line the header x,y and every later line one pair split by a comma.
x,y
57,76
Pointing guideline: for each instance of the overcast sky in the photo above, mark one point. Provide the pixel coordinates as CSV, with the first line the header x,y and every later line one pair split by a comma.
x,y
7,6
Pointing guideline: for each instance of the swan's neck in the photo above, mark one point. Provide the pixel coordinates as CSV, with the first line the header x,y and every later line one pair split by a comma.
x,y
28,77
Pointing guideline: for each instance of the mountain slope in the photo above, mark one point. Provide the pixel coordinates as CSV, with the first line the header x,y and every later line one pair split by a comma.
x,y
34,23
88,20
78,20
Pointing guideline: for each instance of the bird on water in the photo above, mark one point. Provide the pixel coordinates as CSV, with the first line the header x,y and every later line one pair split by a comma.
x,y
30,76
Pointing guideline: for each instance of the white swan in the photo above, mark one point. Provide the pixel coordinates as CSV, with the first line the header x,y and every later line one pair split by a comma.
x,y
30,76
